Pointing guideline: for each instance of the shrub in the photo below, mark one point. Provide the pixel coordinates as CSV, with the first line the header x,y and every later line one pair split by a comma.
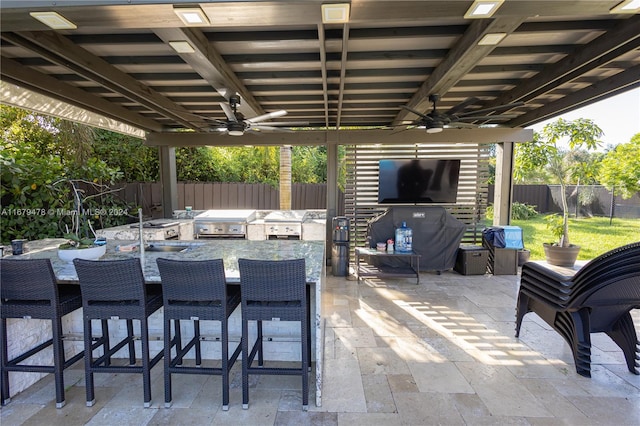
x,y
519,211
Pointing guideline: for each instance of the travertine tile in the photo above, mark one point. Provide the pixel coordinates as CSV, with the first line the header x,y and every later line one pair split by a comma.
x,y
441,377
425,408
443,352
343,390
378,394
501,391
121,415
402,383
381,361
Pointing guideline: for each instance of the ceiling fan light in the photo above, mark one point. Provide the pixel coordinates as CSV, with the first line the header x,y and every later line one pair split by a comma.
x,y
54,20
626,6
191,16
235,129
434,129
483,9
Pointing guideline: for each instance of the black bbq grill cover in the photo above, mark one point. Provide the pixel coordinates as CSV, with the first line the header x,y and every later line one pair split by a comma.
x,y
436,235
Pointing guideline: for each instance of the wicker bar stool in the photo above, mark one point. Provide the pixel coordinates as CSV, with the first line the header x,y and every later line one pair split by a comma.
x,y
196,291
115,290
273,290
30,290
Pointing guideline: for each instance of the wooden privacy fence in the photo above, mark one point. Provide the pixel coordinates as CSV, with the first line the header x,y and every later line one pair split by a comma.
x,y
218,195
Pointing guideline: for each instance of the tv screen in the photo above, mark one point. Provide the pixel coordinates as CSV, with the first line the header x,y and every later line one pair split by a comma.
x,y
418,181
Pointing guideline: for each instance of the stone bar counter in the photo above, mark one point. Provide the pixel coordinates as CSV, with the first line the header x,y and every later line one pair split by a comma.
x,y
281,339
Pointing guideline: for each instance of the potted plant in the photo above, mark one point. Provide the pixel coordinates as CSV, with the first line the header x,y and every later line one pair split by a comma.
x,y
546,152
559,253
82,242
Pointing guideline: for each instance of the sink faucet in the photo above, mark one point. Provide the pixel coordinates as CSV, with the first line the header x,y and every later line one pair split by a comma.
x,y
141,237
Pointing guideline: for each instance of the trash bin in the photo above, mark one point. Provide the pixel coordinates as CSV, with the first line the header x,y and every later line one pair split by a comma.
x,y
340,246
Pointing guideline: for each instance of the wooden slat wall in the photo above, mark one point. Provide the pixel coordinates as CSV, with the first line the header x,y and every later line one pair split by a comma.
x,y
361,192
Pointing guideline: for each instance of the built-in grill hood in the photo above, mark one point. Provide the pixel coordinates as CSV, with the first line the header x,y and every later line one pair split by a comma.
x,y
223,223
284,224
171,228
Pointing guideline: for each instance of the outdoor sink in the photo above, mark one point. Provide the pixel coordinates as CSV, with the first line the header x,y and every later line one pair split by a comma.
x,y
168,247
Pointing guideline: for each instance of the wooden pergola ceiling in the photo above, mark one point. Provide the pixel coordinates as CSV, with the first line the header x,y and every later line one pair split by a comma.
x,y
556,56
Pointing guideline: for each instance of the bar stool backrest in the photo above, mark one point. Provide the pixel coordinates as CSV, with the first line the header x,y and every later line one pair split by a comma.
x,y
272,280
192,280
28,279
110,280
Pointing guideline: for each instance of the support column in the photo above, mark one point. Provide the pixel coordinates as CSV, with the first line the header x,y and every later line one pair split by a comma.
x,y
168,180
332,192
503,193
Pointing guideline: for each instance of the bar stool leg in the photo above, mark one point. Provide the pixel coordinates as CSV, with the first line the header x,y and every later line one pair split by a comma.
x,y
260,354
4,357
196,335
146,369
304,335
245,364
167,361
178,338
58,357
106,342
132,345
225,365
88,361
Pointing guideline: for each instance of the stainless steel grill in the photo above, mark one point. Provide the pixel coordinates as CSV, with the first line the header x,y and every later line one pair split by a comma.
x,y
230,224
171,230
284,224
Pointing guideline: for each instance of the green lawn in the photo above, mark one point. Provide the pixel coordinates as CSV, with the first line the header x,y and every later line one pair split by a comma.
x,y
594,235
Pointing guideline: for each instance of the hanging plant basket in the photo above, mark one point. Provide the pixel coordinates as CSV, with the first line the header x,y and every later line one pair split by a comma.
x,y
561,256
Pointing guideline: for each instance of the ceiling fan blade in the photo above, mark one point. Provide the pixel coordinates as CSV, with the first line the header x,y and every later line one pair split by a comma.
x,y
462,105
494,109
270,129
488,117
288,123
267,116
419,114
459,124
228,111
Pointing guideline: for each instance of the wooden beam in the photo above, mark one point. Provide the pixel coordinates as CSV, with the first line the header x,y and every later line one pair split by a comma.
x,y
87,15
208,62
46,85
611,86
458,62
343,72
62,51
604,49
343,137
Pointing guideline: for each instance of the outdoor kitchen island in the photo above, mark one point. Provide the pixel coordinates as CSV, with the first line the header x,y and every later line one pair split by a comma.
x,y
281,339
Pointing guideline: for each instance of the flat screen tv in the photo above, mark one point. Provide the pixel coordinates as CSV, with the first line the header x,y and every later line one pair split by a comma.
x,y
418,181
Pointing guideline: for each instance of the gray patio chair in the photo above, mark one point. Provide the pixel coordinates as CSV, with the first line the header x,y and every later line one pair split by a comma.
x,y
597,299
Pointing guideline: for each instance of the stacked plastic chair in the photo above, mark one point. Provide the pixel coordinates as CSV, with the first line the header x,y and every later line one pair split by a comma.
x,y
597,299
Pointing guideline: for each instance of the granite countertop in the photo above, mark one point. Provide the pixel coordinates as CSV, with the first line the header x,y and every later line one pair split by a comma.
x,y
229,250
